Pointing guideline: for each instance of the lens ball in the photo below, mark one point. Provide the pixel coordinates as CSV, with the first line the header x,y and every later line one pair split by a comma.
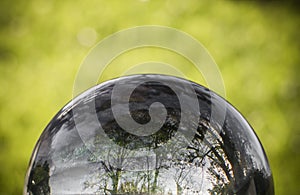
x,y
148,134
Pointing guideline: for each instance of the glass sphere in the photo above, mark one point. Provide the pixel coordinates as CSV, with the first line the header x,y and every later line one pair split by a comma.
x,y
148,134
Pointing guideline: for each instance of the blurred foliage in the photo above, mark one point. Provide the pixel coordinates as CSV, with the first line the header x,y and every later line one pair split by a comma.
x,y
255,44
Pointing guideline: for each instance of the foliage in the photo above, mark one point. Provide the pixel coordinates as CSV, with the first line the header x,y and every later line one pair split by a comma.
x,y
256,46
40,180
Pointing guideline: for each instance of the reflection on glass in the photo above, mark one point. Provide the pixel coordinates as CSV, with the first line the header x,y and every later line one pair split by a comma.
x,y
76,155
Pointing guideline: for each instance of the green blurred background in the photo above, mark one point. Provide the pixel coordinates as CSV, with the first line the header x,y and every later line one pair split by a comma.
x,y
255,44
